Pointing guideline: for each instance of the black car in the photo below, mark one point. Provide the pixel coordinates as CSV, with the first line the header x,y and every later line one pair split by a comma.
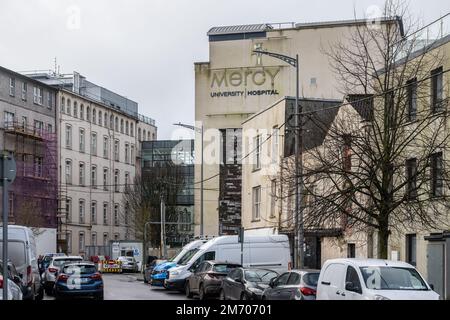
x,y
246,284
152,261
293,285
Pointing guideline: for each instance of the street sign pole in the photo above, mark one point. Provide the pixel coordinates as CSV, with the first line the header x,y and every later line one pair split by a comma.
x,y
8,174
241,240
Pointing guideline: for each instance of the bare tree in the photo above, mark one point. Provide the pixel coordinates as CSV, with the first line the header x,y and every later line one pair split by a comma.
x,y
381,167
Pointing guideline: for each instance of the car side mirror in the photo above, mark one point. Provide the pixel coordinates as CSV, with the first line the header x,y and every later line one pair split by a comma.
x,y
350,286
238,280
17,279
432,286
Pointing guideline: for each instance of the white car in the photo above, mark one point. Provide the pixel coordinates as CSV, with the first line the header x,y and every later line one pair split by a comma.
x,y
372,279
49,276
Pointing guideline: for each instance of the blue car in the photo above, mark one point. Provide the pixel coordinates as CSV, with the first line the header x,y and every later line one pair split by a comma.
x,y
159,273
79,279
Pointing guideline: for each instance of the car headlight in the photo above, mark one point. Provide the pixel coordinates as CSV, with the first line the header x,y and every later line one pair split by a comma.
x,y
174,273
378,297
255,290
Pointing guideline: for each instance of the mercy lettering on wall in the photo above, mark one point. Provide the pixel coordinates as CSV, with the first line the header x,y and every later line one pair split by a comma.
x,y
244,82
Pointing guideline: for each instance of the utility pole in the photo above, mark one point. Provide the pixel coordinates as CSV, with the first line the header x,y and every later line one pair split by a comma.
x,y
163,227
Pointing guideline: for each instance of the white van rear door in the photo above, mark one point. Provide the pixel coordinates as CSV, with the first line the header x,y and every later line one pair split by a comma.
x,y
331,283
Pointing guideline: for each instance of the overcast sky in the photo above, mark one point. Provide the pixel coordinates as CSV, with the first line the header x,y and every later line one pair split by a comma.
x,y
145,49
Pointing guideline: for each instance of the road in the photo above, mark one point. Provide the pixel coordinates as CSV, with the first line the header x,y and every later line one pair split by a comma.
x,y
127,287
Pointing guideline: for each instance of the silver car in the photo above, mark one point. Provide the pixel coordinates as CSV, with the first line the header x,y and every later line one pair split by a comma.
x,y
128,264
14,283
50,274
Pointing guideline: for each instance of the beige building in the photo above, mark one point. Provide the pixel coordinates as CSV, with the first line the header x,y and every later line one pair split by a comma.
x,y
99,136
235,84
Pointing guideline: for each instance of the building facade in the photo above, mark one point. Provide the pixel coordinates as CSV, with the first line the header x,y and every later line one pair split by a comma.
x,y
98,156
29,133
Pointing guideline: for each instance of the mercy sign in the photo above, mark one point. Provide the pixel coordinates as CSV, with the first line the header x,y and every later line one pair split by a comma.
x,y
244,77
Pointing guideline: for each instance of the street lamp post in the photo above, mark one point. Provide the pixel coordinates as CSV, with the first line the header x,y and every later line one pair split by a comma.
x,y
200,130
299,237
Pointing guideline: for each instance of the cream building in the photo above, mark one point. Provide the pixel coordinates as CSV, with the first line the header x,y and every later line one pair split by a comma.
x,y
99,136
235,84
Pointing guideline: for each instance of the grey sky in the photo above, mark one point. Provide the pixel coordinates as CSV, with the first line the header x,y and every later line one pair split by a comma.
x,y
145,49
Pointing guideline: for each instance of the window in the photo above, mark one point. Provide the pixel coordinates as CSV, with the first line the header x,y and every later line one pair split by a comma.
x,y
273,197
125,214
351,250
436,175
82,112
116,150
69,107
81,211
9,119
24,122
116,214
100,118
82,140
111,122
121,126
94,177
105,120
105,213
24,91
105,178
69,210
436,90
94,116
294,279
94,212
105,239
105,147
275,144
39,128
347,154
94,143
148,137
82,174
127,180
116,237
63,105
256,203
49,128
81,242
127,132
412,99
282,280
50,100
38,166
411,177
116,125
127,153
139,134
68,171
12,87
93,239
144,134
68,136
75,109
69,241
153,136
132,129
88,114
257,150
352,278
116,180
37,95
132,155
411,249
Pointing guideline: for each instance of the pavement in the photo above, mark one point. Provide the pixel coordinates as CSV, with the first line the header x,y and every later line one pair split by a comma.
x,y
130,287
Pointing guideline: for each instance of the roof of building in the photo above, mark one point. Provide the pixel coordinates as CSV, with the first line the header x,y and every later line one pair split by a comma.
x,y
239,29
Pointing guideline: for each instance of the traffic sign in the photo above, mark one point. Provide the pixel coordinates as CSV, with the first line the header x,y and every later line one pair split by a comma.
x,y
8,167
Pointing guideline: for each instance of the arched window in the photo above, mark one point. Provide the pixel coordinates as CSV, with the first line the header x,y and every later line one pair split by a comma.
x,y
144,133
121,125
69,107
111,122
63,104
116,124
106,120
82,111
139,134
127,128
88,114
132,129
75,109
148,137
100,118
94,116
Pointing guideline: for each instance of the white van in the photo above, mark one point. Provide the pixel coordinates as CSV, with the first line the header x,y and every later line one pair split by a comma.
x,y
22,253
372,279
269,252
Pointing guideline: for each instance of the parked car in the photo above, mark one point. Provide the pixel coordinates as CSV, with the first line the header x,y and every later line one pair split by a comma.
x,y
79,279
149,269
128,264
293,285
15,288
159,273
271,252
246,284
51,272
22,253
46,259
206,280
372,279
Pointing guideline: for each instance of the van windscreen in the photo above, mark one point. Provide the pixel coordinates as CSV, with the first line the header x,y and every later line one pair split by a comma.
x,y
187,256
16,253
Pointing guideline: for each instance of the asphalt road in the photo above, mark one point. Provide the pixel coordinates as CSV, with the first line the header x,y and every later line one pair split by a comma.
x,y
127,287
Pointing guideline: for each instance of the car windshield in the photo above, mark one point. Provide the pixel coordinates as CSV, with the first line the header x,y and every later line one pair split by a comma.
x,y
256,275
390,278
224,268
311,279
60,262
80,269
187,256
130,259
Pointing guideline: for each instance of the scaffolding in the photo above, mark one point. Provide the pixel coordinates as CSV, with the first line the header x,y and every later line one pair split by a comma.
x,y
33,195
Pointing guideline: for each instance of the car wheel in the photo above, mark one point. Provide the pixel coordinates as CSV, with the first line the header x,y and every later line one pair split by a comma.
x,y
222,295
187,290
263,298
40,295
201,293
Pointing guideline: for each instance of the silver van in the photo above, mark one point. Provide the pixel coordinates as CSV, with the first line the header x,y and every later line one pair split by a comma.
x,y
22,253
